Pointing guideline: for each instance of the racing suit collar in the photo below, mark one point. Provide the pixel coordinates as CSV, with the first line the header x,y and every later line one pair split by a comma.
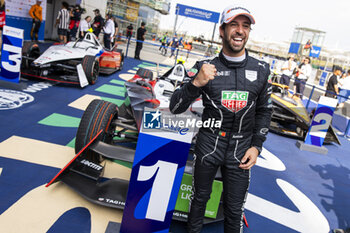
x,y
231,64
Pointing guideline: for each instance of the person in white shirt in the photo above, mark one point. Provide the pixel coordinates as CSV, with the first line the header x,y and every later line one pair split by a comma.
x,y
84,26
108,29
345,91
304,74
287,70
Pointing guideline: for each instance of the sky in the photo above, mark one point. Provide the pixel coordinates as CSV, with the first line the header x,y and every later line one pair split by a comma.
x,y
275,19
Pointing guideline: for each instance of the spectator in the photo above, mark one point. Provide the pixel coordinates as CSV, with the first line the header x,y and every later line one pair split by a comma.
x,y
188,47
84,26
345,90
36,13
332,86
108,30
163,41
129,31
75,17
287,70
62,21
97,24
304,74
140,36
116,30
173,45
2,18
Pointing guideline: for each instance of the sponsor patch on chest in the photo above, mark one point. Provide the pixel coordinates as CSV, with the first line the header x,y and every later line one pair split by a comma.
x,y
251,75
234,100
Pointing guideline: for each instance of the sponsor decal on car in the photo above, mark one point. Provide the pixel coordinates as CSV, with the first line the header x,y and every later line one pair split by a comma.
x,y
234,100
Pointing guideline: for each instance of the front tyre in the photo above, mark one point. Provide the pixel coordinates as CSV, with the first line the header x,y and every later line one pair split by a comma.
x,y
98,115
91,68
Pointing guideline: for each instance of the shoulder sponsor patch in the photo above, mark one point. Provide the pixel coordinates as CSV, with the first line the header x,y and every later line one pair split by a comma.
x,y
251,75
234,100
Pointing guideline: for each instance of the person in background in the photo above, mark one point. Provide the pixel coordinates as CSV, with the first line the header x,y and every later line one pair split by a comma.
x,y
97,24
188,47
345,90
116,31
287,70
108,30
2,19
84,26
332,85
62,21
140,36
174,44
163,41
36,13
129,31
304,73
75,17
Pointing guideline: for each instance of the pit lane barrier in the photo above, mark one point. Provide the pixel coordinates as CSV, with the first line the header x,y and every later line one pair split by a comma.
x,y
207,53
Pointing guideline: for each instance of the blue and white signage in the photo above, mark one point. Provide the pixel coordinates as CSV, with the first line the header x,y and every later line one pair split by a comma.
x,y
156,175
315,51
197,13
323,78
11,54
321,121
294,48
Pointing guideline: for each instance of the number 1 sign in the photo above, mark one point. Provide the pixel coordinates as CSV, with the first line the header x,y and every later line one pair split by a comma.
x,y
156,175
11,54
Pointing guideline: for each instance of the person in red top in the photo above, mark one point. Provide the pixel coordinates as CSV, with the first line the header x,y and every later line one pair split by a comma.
x,y
36,13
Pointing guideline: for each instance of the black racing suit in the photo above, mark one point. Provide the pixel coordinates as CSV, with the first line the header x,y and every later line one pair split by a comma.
x,y
239,96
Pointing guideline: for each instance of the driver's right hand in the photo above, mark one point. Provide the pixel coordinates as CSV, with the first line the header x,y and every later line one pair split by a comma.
x,y
206,73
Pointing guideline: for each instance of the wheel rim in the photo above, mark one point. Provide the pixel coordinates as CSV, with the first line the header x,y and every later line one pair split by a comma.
x,y
95,71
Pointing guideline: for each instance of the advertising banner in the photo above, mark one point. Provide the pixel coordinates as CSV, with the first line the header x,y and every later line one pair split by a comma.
x,y
11,54
17,15
321,121
160,159
323,78
294,47
315,51
185,193
197,13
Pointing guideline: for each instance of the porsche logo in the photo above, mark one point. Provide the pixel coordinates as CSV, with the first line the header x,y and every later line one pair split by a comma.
x,y
234,100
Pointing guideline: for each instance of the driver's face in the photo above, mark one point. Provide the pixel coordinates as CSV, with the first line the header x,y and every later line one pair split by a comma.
x,y
235,36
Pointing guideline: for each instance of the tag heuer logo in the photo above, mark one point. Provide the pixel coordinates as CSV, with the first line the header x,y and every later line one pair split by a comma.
x,y
234,100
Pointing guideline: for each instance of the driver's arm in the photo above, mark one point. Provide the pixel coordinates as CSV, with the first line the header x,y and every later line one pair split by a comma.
x,y
184,96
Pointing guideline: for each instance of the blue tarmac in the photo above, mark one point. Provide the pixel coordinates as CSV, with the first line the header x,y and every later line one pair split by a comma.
x,y
290,191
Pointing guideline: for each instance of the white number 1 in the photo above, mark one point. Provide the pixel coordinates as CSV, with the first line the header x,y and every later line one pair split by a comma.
x,y
161,189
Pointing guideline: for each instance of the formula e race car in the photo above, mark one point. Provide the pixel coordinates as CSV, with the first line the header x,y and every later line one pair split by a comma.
x,y
78,62
290,117
106,130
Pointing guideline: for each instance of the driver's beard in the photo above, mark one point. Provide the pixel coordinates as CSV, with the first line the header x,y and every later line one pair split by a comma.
x,y
229,46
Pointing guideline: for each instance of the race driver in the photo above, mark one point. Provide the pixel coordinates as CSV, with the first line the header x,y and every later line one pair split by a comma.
x,y
236,91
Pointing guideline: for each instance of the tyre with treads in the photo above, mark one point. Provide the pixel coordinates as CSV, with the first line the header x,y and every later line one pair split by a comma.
x,y
98,116
145,73
91,68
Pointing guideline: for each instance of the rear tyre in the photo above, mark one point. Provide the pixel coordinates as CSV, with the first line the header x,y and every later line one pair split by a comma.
x,y
145,73
98,115
91,68
32,50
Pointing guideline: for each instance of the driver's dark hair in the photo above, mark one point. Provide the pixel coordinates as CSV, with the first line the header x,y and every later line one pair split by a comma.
x,y
143,24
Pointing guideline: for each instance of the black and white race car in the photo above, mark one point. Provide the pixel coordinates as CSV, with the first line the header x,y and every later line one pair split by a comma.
x,y
78,62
